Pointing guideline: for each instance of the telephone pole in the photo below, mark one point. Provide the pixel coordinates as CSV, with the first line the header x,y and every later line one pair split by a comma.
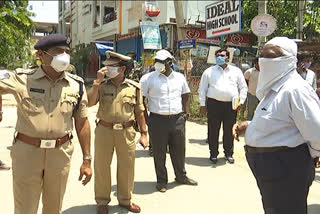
x,y
301,6
178,7
262,9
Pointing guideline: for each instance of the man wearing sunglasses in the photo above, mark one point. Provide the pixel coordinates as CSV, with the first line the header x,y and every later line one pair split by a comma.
x,y
120,105
48,99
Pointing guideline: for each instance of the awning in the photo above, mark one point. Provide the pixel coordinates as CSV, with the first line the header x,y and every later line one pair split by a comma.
x,y
103,47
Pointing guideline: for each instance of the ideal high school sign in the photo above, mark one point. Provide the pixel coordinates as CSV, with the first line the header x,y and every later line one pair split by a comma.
x,y
223,17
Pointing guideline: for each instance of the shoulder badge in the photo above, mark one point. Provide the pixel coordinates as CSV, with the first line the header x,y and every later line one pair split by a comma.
x,y
75,77
4,75
25,71
133,83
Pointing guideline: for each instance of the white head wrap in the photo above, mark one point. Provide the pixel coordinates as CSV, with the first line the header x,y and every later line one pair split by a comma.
x,y
288,46
273,70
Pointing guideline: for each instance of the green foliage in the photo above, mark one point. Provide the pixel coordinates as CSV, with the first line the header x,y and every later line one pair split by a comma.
x,y
312,20
249,11
195,114
286,14
16,28
80,56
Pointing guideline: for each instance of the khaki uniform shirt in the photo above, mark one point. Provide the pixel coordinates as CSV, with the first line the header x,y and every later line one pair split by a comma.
x,y
119,104
44,108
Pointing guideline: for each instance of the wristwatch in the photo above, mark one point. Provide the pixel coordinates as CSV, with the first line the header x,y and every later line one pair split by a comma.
x,y
87,157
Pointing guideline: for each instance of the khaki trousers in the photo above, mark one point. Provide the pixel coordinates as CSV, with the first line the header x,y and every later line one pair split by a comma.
x,y
123,141
37,171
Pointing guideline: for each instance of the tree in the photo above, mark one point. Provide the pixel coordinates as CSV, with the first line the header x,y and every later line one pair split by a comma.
x,y
312,20
286,14
16,28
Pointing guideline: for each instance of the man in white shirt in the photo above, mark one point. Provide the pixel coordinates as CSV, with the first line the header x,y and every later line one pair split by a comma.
x,y
283,137
167,93
251,75
304,63
219,86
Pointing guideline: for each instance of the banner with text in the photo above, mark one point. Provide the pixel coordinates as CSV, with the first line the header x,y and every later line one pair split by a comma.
x,y
223,17
151,35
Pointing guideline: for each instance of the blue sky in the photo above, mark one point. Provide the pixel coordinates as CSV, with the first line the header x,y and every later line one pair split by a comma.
x,y
46,11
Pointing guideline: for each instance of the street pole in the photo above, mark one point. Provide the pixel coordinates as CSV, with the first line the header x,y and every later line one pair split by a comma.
x,y
178,7
262,9
301,6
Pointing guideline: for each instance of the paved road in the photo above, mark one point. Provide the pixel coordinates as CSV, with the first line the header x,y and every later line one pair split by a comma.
x,y
223,188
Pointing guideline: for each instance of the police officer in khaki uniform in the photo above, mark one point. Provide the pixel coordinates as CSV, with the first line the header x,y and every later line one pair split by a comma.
x,y
120,104
48,98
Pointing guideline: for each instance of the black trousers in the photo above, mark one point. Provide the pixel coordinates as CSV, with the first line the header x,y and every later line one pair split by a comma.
x,y
220,112
284,178
168,131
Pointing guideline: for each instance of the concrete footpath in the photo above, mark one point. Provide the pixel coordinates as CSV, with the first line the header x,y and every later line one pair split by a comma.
x,y
222,189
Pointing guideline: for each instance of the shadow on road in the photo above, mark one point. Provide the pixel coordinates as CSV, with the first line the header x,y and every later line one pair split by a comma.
x,y
200,141
91,209
314,209
145,187
143,154
205,162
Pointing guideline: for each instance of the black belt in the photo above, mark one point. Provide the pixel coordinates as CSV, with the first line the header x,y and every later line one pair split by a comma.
x,y
170,116
251,149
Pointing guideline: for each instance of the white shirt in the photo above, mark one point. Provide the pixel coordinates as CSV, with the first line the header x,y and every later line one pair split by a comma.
x,y
310,77
164,93
252,75
289,115
222,84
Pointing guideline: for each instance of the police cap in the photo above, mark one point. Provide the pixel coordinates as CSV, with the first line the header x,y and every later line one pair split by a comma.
x,y
113,58
52,40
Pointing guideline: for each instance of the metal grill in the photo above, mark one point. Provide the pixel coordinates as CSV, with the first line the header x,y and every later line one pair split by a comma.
x,y
199,66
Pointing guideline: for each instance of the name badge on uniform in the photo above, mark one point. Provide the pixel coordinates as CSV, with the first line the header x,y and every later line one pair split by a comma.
x,y
108,94
37,90
48,144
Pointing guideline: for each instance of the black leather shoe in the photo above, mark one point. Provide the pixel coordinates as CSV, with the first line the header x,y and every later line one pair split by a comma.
x,y
187,181
213,159
230,159
161,188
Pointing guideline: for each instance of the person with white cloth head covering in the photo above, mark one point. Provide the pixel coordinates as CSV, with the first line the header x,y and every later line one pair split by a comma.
x,y
283,137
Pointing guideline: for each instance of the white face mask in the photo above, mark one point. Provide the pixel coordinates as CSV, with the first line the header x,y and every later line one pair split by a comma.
x,y
112,72
60,62
272,70
160,67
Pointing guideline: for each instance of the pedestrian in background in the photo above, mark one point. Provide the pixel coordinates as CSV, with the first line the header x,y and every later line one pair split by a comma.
x,y
304,63
283,137
251,75
48,99
221,87
167,93
120,105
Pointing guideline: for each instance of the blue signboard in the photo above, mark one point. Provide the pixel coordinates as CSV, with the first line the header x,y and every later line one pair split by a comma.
x,y
187,44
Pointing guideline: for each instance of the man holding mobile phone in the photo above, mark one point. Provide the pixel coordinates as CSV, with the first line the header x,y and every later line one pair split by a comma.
x,y
120,104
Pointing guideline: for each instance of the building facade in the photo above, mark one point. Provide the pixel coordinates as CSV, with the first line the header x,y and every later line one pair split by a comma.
x,y
102,20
